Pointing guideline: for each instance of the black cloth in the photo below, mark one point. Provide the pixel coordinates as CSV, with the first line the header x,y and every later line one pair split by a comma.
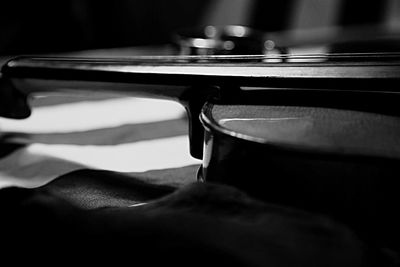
x,y
94,216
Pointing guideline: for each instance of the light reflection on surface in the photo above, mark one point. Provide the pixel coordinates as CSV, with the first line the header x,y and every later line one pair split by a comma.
x,y
82,116
37,164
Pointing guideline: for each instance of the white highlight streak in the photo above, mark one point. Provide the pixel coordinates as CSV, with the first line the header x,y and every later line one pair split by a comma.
x,y
83,116
135,157
38,164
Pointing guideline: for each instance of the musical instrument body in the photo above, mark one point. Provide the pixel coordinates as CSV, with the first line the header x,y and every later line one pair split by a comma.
x,y
304,131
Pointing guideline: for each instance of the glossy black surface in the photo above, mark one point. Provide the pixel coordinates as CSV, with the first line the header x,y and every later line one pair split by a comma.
x,y
350,80
357,187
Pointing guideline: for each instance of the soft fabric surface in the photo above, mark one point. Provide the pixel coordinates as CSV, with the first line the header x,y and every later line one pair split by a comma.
x,y
94,216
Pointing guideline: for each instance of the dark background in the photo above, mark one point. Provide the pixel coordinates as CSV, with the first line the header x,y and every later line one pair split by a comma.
x,y
67,25
46,26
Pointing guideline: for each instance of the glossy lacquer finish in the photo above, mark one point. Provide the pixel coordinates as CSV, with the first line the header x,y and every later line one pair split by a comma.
x,y
333,80
338,162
